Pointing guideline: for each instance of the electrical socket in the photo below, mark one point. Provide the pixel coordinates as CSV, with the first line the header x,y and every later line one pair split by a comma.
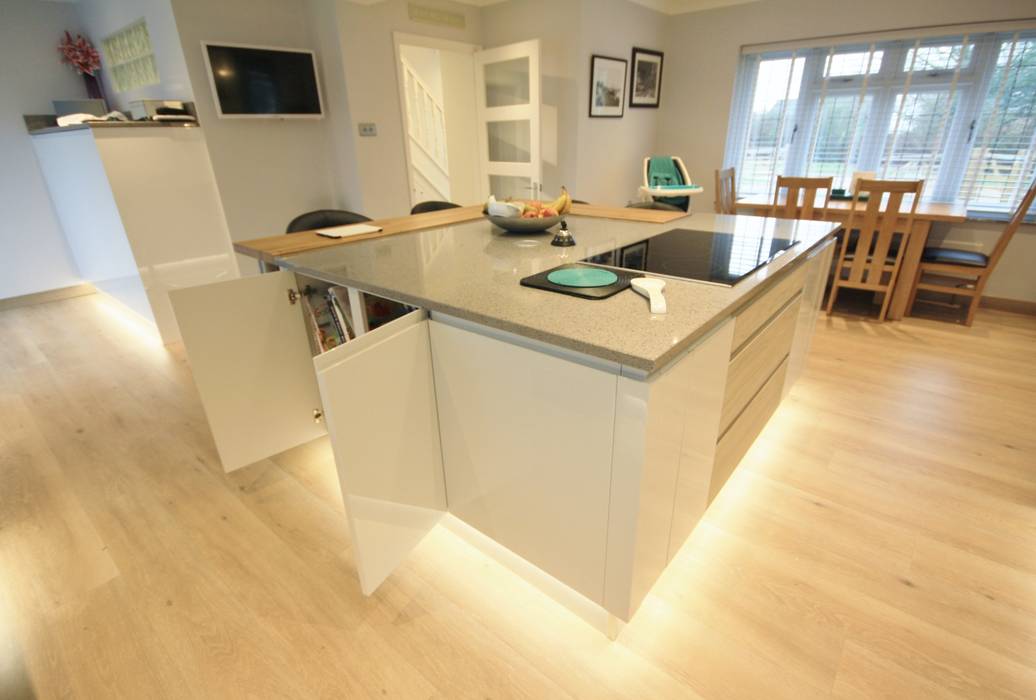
x,y
368,129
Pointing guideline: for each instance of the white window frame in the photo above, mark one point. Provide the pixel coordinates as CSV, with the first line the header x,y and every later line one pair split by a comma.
x,y
967,86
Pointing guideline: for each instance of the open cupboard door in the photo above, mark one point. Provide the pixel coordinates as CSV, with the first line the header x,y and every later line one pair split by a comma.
x,y
379,406
246,340
507,83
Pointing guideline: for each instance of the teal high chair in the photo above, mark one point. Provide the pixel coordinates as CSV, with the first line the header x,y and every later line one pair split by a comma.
x,y
663,171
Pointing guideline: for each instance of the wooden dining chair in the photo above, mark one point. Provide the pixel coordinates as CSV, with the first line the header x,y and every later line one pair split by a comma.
x,y
873,263
964,272
726,194
804,188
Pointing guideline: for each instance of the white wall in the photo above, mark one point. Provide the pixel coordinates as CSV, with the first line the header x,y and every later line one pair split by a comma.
x,y
458,78
701,55
33,254
368,53
101,18
348,188
268,170
612,151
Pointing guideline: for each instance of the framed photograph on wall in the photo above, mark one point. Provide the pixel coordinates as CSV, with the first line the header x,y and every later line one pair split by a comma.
x,y
607,86
646,78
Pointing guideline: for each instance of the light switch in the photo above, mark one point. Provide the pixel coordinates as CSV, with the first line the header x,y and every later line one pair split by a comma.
x,y
368,129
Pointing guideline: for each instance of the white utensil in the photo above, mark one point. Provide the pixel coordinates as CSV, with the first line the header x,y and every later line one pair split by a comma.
x,y
651,287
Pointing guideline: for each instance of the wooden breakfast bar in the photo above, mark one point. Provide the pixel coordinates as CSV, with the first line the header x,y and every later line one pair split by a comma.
x,y
838,210
268,248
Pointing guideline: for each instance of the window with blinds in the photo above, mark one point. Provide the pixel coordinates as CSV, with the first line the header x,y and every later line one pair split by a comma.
x,y
958,112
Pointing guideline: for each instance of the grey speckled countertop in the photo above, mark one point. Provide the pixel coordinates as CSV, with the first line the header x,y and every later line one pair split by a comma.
x,y
472,271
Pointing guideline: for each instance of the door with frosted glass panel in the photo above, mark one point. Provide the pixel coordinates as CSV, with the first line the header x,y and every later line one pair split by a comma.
x,y
508,85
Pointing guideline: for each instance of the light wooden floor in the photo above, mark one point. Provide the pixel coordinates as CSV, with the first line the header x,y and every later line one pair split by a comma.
x,y
879,541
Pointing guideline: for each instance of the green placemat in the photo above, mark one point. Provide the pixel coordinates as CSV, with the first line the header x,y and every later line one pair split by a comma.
x,y
583,277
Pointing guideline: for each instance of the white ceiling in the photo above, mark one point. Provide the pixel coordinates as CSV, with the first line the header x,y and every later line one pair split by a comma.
x,y
668,7
679,7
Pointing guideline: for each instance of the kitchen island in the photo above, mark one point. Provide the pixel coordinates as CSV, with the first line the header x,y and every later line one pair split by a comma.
x,y
578,441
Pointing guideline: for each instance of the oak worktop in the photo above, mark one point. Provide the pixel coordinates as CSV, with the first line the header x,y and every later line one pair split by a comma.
x,y
471,270
268,248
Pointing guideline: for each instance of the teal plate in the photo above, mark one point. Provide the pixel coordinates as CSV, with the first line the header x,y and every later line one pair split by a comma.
x,y
583,277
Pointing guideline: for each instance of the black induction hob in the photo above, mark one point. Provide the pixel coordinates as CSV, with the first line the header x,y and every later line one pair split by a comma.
x,y
708,256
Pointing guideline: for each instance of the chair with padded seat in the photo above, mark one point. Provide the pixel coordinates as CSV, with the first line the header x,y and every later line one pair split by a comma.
x,y
324,218
432,205
873,265
965,273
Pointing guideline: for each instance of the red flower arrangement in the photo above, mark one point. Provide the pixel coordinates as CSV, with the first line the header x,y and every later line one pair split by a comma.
x,y
80,54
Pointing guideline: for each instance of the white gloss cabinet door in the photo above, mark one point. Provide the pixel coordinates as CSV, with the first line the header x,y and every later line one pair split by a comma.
x,y
818,269
527,442
250,357
665,441
379,406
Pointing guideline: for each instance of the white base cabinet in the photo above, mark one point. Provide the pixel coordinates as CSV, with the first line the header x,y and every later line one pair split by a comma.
x,y
665,436
527,444
141,212
264,393
818,268
591,474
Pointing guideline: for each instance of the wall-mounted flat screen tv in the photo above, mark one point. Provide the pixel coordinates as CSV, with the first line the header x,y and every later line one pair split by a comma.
x,y
259,81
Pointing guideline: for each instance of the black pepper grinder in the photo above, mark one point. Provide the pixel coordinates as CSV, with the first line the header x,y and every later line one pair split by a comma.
x,y
563,238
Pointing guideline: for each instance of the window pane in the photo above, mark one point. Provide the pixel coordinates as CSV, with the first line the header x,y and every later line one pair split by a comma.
x,y
507,82
504,186
915,149
509,141
833,154
845,64
937,58
776,94
1001,158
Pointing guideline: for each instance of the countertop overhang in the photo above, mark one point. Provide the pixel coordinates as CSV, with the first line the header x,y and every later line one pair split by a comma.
x,y
472,271
85,126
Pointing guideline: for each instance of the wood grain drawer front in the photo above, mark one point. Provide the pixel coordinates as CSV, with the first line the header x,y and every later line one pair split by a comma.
x,y
743,431
755,315
753,365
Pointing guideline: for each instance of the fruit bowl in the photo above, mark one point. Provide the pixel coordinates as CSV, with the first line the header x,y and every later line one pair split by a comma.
x,y
517,224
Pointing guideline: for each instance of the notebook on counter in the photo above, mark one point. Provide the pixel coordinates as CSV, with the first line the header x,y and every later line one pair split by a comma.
x,y
347,231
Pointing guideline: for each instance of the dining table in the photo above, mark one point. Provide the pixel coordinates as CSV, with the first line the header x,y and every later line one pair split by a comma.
x,y
927,214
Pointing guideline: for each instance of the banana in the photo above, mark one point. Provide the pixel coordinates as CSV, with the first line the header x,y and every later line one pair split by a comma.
x,y
562,204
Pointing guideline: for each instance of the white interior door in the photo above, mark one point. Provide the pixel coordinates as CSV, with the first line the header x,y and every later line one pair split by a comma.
x,y
379,406
250,357
507,81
